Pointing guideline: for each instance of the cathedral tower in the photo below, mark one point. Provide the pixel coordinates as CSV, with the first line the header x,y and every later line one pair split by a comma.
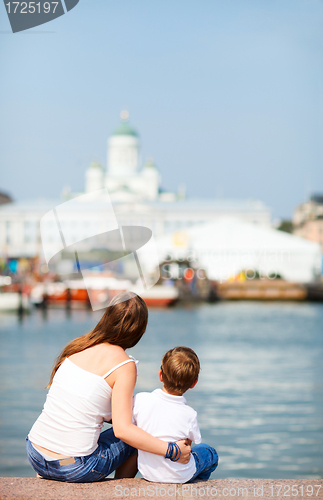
x,y
123,150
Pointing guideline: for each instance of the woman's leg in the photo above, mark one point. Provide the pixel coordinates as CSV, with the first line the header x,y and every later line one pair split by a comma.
x,y
128,468
110,455
71,469
121,457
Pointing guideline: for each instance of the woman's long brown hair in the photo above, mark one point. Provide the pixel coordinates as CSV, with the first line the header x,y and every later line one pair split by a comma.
x,y
123,323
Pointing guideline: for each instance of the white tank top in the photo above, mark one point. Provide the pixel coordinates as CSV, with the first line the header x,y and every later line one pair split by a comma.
x,y
77,404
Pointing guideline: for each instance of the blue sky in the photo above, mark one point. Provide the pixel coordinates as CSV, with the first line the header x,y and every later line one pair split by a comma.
x,y
226,95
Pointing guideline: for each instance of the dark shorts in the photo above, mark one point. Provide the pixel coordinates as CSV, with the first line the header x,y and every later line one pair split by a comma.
x,y
109,455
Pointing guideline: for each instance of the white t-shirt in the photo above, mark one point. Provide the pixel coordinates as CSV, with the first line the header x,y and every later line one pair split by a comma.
x,y
169,418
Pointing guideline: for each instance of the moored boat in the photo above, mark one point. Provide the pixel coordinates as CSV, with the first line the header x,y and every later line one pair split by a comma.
x,y
159,295
13,302
75,293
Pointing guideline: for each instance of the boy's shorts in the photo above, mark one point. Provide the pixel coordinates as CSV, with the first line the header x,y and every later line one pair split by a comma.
x,y
206,461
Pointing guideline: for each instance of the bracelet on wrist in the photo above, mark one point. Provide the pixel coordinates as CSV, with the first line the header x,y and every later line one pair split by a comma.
x,y
173,452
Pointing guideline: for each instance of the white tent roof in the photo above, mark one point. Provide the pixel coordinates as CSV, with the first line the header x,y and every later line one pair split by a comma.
x,y
227,246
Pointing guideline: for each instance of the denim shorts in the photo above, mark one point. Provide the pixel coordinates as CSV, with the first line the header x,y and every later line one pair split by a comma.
x,y
206,461
109,455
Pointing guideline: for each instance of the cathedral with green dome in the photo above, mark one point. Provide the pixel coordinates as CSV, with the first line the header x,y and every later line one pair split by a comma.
x,y
125,178
132,189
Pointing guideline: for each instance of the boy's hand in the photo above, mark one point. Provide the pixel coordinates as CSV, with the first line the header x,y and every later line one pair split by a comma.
x,y
185,447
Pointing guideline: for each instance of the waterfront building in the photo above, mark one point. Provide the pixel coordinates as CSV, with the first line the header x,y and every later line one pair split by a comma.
x,y
124,179
137,197
228,248
308,220
5,198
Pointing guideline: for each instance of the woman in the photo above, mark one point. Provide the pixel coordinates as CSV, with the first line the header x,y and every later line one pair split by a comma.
x,y
93,381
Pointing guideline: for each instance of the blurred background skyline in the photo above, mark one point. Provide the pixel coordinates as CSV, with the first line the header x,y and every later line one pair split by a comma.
x,y
227,97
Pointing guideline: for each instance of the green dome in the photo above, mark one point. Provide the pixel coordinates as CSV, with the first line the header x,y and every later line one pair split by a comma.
x,y
96,165
125,129
150,164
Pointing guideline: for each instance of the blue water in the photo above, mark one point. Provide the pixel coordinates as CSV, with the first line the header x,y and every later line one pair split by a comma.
x,y
259,397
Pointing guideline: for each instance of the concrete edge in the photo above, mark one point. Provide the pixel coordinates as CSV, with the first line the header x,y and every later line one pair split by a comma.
x,y
24,488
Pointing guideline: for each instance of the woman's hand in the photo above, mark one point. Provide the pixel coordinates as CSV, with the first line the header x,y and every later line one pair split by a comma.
x,y
185,447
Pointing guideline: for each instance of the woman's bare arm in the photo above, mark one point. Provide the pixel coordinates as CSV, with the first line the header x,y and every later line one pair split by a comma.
x,y
124,429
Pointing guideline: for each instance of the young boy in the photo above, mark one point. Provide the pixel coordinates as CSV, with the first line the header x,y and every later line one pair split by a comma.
x,y
165,414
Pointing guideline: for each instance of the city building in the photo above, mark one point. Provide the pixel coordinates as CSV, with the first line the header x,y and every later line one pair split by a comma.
x,y
5,198
308,220
227,247
124,178
137,197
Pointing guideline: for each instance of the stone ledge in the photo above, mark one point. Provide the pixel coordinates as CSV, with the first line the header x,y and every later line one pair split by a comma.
x,y
27,488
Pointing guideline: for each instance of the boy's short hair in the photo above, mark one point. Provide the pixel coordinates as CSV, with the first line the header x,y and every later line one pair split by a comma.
x,y
180,368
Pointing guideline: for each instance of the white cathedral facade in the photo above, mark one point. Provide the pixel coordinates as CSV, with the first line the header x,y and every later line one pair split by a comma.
x,y
124,178
136,195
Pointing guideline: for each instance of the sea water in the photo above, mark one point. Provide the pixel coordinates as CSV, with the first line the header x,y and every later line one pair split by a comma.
x,y
260,392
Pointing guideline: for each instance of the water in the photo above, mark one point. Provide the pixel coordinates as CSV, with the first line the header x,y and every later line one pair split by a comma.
x,y
259,397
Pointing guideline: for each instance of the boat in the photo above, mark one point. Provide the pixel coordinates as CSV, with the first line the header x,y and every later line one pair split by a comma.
x,y
75,293
13,302
159,295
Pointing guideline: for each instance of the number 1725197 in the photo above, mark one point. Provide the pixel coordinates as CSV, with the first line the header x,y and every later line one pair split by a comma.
x,y
286,490
31,7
